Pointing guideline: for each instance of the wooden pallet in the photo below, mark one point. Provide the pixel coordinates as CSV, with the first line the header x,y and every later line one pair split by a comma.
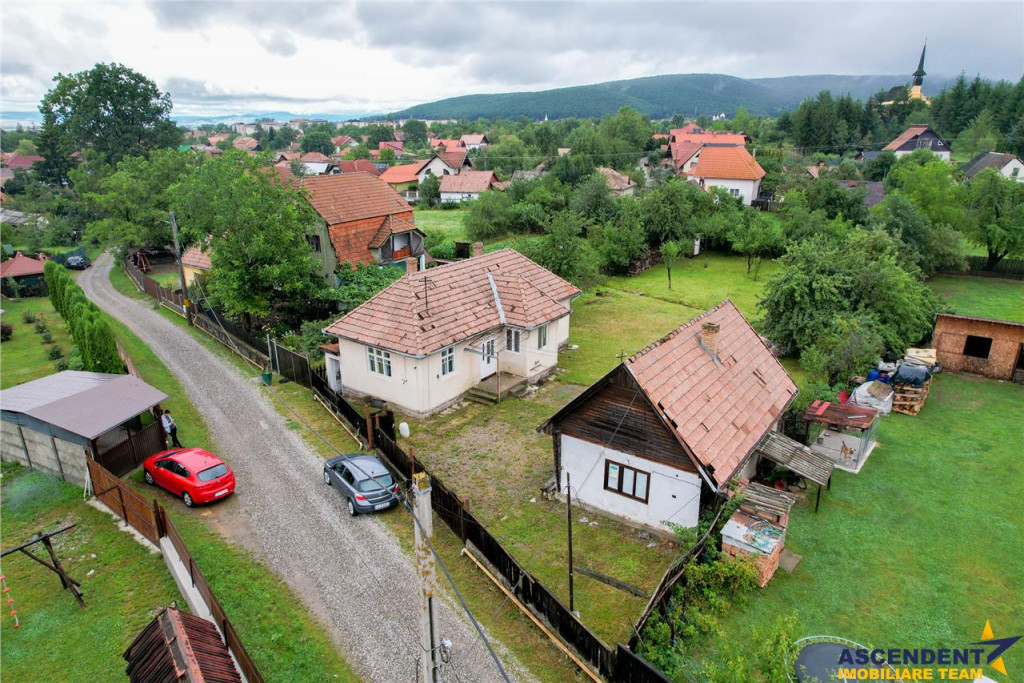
x,y
909,400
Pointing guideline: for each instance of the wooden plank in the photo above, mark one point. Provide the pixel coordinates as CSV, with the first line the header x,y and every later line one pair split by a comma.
x,y
614,583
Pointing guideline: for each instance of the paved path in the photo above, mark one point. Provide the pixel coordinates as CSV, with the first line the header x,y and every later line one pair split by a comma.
x,y
350,571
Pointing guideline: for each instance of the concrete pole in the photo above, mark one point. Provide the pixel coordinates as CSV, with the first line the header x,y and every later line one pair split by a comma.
x,y
181,270
426,566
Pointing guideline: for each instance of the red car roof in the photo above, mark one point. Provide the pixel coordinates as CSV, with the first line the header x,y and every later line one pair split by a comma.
x,y
194,459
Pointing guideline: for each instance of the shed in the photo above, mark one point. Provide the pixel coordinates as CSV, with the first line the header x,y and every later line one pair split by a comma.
x,y
177,646
51,423
849,435
983,346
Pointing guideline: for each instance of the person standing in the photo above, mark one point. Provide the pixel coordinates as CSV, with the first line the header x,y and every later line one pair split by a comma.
x,y
171,428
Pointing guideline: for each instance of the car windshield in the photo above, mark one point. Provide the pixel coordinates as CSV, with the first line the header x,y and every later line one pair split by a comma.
x,y
213,472
375,484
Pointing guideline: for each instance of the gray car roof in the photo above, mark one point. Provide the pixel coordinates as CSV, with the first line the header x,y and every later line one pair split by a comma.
x,y
363,466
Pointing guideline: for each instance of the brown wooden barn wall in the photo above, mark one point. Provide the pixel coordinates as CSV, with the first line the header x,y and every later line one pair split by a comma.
x,y
951,335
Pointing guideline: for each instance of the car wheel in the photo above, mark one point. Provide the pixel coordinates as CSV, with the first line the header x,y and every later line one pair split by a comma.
x,y
352,508
188,499
327,478
148,477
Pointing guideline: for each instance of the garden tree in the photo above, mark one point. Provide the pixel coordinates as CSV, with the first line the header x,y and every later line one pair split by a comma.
x,y
377,134
623,240
430,190
111,109
360,282
670,254
526,217
995,215
673,209
930,186
593,200
565,252
932,247
845,348
570,169
507,156
879,167
756,236
26,147
358,152
488,216
134,200
318,141
387,155
835,200
257,228
981,135
415,132
823,279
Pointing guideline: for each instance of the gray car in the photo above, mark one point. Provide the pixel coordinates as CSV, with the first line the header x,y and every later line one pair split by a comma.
x,y
363,480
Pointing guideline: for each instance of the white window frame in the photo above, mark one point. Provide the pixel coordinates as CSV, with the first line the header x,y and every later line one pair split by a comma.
x,y
513,340
448,361
378,361
542,336
734,191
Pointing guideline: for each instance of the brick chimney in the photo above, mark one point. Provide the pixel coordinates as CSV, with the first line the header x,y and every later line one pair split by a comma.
x,y
478,249
412,264
709,337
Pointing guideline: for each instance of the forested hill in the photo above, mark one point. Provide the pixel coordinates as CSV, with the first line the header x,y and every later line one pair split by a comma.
x,y
659,97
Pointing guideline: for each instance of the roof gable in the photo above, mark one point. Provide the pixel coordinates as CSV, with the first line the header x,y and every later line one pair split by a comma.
x,y
912,133
729,163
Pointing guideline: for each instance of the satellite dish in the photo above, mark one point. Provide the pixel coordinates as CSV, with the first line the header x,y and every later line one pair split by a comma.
x,y
403,429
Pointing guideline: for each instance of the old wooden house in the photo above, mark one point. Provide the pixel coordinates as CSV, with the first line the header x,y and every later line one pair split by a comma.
x,y
994,348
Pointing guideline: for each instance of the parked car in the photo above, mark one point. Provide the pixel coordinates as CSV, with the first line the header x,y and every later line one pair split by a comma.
x,y
363,480
77,262
192,473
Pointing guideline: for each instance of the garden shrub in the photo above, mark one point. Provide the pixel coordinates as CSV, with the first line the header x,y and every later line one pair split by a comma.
x,y
6,331
47,338
55,353
61,365
28,316
40,326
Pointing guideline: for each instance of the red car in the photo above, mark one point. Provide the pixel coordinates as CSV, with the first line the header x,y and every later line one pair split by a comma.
x,y
192,473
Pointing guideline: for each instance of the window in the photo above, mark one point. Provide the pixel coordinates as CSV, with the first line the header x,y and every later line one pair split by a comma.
x,y
542,336
977,347
448,360
734,192
512,340
314,242
378,361
626,481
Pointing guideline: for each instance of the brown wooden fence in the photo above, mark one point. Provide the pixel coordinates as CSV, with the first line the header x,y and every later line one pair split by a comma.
x,y
171,299
151,520
137,446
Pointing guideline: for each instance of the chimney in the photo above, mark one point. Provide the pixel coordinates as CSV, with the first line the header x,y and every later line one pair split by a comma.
x,y
412,264
709,338
478,249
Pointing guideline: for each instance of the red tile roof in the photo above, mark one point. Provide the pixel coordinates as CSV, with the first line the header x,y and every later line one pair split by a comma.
x,y
473,139
314,158
681,152
357,166
390,226
729,163
692,133
20,265
404,173
906,136
617,182
444,142
717,411
24,161
469,181
429,310
196,258
391,144
352,196
456,158
343,141
245,143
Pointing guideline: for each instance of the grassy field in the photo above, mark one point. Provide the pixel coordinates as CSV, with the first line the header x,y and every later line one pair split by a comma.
x,y
123,584
923,545
24,356
447,222
979,296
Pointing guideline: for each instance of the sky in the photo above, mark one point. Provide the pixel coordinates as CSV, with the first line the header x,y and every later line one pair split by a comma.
x,y
226,58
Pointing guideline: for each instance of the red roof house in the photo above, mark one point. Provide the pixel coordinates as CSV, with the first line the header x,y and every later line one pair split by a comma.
x,y
730,168
22,161
674,422
467,185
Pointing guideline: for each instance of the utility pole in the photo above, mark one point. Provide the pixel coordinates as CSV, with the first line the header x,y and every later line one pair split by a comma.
x,y
425,565
568,520
181,270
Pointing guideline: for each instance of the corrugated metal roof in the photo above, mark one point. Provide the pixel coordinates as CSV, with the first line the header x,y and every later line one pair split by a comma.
x,y
85,403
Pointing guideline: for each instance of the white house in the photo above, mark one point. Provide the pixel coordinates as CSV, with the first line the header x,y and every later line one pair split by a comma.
x,y
728,167
473,141
1006,164
654,440
443,164
920,136
490,324
467,185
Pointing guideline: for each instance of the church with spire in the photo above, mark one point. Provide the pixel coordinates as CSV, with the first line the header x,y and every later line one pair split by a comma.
x,y
914,92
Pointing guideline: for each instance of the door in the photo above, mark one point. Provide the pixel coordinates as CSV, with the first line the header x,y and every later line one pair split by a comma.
x,y
488,361
334,373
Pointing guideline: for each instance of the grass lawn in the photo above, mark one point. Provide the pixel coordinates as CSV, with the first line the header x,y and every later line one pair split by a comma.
x,y
981,296
922,546
123,585
24,356
447,222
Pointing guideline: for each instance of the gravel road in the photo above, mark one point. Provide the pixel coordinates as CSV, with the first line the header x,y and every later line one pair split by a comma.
x,y
349,571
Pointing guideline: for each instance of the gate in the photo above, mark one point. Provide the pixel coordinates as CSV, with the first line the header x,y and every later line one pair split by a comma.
x,y
129,454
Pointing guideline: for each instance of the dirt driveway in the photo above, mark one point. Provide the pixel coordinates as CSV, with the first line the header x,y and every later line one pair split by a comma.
x,y
350,571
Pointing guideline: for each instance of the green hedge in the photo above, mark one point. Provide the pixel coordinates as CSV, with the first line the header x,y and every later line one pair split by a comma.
x,y
90,331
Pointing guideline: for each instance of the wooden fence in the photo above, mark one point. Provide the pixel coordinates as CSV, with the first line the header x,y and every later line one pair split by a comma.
x,y
126,359
978,266
166,297
151,520
137,446
287,363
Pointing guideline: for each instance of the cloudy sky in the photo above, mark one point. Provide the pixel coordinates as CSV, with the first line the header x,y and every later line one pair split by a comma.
x,y
313,57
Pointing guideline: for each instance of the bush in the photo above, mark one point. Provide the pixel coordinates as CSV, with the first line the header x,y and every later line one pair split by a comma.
x,y
28,316
75,361
40,326
6,331
47,338
444,250
61,365
55,353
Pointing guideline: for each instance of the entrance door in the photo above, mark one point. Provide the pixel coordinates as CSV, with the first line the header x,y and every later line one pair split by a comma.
x,y
488,361
334,373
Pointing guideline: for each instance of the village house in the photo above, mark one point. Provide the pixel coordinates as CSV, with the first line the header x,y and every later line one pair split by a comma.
x,y
366,220
343,142
358,166
488,324
982,346
1007,165
194,263
247,144
654,440
15,161
26,275
444,143
731,168
620,184
467,185
445,163
919,136
404,179
473,141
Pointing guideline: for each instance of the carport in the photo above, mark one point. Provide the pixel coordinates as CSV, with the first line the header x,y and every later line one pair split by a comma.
x,y
52,423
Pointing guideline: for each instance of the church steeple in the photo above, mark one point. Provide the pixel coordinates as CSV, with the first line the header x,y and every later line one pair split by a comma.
x,y
920,73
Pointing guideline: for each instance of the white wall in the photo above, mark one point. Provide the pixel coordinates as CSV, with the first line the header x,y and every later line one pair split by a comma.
x,y
1008,170
456,197
747,188
436,167
674,495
